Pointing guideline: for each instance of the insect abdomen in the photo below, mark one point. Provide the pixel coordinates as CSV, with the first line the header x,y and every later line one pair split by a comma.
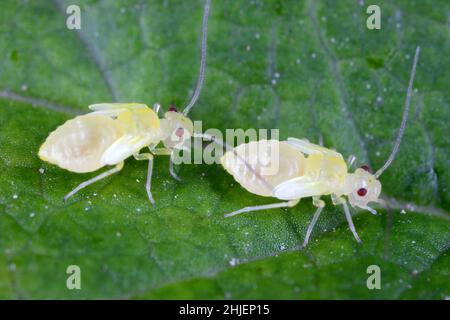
x,y
79,143
261,156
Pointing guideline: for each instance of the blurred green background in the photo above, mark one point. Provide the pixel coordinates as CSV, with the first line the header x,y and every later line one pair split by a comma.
x,y
310,68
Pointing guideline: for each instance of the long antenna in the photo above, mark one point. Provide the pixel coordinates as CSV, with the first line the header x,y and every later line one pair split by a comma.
x,y
201,75
401,131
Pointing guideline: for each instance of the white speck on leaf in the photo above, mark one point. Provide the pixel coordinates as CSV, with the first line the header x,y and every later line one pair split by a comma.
x,y
233,262
15,196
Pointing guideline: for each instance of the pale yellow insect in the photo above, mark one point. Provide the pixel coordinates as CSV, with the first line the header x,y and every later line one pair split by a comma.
x,y
115,131
308,170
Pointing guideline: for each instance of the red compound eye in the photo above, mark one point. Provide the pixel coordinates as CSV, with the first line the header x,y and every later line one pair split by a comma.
x,y
365,167
362,192
179,132
173,108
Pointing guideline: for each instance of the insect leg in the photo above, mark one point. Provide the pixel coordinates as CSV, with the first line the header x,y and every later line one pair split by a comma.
x,y
156,107
372,211
105,174
164,151
320,205
351,160
172,168
350,221
290,203
148,183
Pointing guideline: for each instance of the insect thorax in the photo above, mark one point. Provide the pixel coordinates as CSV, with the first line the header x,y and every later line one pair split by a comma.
x,y
329,169
140,122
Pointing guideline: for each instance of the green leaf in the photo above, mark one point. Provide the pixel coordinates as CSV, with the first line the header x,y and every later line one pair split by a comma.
x,y
310,68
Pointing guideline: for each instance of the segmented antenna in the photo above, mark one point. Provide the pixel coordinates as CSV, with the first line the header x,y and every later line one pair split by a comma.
x,y
401,131
201,75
